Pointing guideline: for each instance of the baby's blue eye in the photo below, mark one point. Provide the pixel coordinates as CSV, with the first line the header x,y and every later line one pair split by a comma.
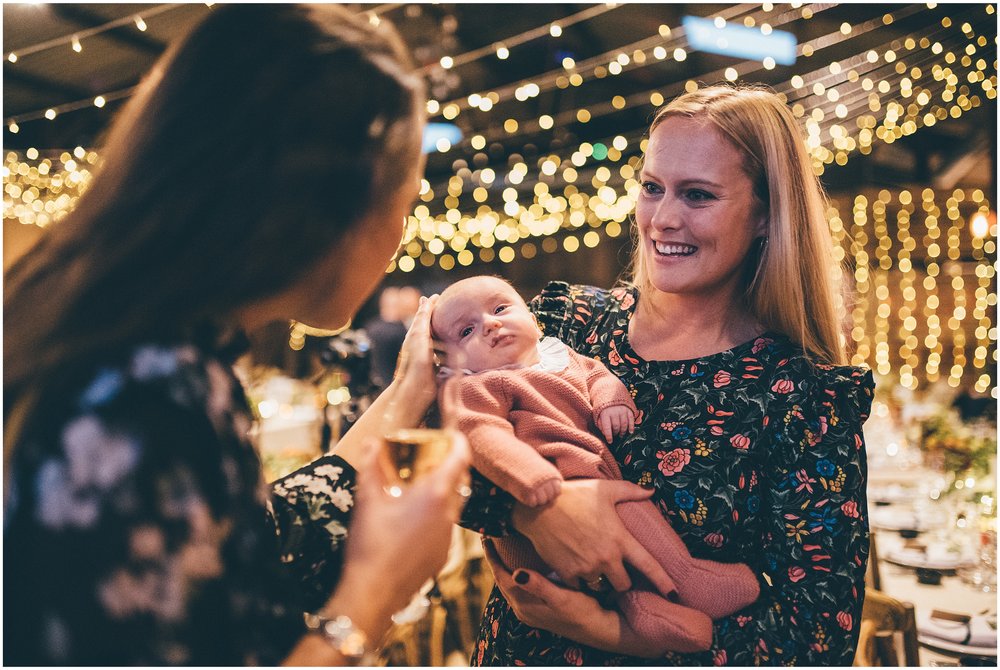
x,y
499,309
466,331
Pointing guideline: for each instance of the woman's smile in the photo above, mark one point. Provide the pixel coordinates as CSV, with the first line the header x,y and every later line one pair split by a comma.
x,y
673,250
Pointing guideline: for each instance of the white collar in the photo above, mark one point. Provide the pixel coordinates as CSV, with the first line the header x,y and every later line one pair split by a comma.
x,y
553,355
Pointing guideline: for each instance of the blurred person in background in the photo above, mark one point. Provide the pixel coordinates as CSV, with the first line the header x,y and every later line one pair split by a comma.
x,y
409,302
385,334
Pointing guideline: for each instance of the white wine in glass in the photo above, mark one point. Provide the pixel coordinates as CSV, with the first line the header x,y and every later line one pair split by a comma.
x,y
413,452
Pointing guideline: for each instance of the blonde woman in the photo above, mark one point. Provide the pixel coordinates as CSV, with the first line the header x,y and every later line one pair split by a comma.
x,y
750,429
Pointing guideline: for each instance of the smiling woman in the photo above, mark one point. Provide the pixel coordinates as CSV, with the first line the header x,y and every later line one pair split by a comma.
x,y
749,429
697,218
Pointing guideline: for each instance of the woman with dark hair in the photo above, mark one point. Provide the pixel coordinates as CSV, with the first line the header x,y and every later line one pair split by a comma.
x,y
260,174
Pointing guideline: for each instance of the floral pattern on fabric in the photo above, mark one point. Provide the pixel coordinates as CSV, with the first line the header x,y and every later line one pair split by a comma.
x,y
755,452
312,507
136,522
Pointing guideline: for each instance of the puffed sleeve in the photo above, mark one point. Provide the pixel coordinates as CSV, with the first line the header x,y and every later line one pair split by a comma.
x,y
814,540
311,509
553,308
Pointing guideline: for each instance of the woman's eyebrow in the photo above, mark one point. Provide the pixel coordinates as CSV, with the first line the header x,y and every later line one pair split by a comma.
x,y
701,182
693,181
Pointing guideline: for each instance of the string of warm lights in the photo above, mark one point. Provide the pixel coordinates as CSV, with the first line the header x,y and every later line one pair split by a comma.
x,y
40,192
859,253
75,39
571,73
658,50
842,141
51,113
905,315
501,49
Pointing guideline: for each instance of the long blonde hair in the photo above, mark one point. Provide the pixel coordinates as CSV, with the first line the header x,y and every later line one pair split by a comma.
x,y
791,291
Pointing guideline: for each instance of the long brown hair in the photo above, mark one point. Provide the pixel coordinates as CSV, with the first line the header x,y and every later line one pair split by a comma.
x,y
791,291
254,145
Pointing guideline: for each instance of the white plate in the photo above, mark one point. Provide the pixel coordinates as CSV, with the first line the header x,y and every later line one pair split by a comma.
x,y
916,559
893,494
954,647
891,518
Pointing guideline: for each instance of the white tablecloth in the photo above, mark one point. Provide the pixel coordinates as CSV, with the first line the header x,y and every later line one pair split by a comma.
x,y
952,595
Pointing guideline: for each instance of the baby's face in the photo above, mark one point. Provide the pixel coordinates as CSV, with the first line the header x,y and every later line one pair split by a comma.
x,y
487,322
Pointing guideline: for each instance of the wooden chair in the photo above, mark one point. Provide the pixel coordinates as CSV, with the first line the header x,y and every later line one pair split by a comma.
x,y
456,609
873,576
887,626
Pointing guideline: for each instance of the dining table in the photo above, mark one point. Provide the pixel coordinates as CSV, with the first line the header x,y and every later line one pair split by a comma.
x,y
937,551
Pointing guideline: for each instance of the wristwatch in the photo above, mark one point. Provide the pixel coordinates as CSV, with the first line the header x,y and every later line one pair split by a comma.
x,y
341,632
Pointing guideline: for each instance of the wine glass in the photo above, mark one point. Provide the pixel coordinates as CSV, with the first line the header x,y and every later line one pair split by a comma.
x,y
417,442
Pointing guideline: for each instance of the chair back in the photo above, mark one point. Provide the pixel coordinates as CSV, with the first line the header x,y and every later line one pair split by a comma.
x,y
888,627
873,575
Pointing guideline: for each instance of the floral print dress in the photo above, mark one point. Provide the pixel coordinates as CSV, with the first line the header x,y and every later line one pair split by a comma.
x,y
138,529
756,454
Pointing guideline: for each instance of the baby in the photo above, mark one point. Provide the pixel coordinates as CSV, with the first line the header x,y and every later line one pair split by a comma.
x,y
529,409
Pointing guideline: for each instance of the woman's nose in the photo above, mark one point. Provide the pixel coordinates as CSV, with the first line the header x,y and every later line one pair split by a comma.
x,y
666,215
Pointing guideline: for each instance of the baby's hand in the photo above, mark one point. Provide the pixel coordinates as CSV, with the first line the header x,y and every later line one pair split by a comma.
x,y
544,493
615,420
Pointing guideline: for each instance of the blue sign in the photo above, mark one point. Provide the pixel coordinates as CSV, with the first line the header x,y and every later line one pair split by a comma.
x,y
437,131
739,41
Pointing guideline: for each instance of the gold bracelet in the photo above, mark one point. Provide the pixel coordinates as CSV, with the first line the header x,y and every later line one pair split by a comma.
x,y
340,632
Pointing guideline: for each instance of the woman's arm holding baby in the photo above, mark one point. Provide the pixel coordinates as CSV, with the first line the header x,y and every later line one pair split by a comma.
x,y
541,603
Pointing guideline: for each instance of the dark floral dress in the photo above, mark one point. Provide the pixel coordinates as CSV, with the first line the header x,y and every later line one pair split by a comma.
x,y
138,529
755,454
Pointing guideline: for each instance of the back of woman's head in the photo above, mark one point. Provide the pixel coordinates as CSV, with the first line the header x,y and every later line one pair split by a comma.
x,y
254,145
790,290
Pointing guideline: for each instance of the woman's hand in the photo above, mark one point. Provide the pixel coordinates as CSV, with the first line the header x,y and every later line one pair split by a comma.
x,y
582,537
395,544
540,603
414,378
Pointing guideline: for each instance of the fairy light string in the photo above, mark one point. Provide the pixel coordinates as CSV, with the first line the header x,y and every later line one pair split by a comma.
x,y
920,259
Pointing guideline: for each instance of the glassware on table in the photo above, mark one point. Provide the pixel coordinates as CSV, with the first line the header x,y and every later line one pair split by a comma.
x,y
415,444
982,575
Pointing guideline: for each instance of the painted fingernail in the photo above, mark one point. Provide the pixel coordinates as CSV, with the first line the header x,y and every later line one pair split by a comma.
x,y
521,577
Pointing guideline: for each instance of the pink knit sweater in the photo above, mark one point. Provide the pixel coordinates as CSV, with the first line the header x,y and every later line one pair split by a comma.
x,y
529,426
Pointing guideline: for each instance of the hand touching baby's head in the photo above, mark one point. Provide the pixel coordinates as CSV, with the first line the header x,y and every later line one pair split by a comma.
x,y
487,322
